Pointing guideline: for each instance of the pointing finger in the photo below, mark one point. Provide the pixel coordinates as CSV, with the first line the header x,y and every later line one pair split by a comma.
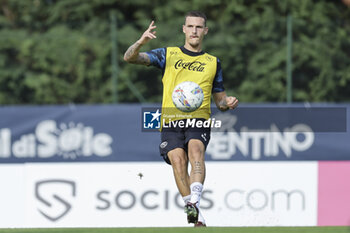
x,y
152,35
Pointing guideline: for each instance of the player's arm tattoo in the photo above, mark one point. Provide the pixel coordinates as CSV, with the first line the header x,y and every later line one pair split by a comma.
x,y
132,55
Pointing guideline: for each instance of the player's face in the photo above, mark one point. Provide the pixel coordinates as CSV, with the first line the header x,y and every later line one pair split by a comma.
x,y
194,30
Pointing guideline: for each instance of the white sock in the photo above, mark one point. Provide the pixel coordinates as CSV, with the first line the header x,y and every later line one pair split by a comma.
x,y
200,216
186,199
196,192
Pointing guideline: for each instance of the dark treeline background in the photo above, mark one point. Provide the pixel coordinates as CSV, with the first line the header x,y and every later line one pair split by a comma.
x,y
59,51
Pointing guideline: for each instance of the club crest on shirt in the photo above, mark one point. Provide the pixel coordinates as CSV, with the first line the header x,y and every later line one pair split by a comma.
x,y
209,58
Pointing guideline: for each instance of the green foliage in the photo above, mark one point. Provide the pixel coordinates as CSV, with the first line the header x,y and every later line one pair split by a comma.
x,y
59,51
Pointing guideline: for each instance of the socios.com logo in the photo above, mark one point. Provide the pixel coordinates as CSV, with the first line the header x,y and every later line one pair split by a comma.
x,y
55,197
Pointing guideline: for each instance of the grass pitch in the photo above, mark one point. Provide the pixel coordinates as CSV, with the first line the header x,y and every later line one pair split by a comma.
x,y
339,229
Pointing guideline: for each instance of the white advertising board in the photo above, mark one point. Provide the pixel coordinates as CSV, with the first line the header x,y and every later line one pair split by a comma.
x,y
144,194
101,195
12,192
263,194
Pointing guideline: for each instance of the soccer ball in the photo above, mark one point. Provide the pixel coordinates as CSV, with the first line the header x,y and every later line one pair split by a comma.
x,y
187,96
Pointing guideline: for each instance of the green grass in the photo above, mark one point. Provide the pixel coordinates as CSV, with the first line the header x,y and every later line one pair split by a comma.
x,y
342,229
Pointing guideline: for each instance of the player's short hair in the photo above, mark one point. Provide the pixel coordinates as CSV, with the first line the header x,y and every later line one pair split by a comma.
x,y
196,14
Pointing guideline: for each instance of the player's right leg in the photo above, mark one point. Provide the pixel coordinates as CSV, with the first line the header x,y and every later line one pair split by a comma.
x,y
179,163
173,154
172,149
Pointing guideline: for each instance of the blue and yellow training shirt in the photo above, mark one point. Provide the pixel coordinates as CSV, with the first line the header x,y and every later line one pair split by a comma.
x,y
178,65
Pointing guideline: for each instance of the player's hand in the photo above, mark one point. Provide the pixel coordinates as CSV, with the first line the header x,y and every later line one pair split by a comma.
x,y
231,102
149,34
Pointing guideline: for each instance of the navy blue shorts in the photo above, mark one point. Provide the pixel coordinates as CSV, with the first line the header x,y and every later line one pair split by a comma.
x,y
173,137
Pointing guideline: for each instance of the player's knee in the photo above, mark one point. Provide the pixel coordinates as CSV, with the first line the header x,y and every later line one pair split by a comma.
x,y
196,152
177,160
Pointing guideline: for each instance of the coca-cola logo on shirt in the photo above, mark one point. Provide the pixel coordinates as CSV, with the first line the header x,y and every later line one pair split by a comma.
x,y
192,66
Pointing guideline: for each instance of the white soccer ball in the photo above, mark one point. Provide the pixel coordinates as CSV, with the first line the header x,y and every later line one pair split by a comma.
x,y
187,96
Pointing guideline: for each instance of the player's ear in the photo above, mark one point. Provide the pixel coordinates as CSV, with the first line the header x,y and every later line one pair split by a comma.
x,y
206,29
183,28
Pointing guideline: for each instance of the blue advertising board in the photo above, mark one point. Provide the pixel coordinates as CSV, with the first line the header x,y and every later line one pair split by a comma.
x,y
100,133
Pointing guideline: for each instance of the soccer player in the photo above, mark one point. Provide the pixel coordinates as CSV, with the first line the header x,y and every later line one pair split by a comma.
x,y
182,145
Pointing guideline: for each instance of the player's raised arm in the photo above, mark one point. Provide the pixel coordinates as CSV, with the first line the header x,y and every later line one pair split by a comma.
x,y
132,55
224,102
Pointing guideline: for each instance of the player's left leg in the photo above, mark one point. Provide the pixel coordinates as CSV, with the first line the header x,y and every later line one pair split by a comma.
x,y
197,140
196,150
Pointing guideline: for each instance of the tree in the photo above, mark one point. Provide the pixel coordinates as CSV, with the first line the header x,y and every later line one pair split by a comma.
x,y
58,51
